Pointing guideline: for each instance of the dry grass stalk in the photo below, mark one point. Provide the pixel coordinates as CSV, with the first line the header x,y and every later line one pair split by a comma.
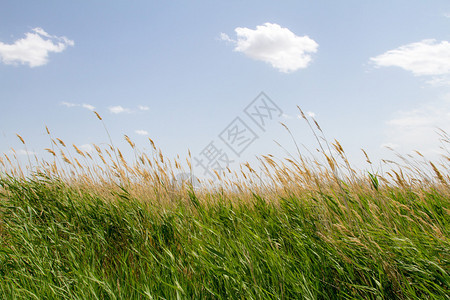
x,y
79,151
50,151
21,139
61,142
98,116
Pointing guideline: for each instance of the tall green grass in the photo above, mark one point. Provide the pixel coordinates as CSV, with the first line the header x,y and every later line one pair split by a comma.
x,y
60,242
93,228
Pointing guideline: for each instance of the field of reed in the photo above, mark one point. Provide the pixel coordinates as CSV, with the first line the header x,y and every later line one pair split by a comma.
x,y
95,226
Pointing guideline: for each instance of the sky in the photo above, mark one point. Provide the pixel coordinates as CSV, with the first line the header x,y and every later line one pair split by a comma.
x,y
218,77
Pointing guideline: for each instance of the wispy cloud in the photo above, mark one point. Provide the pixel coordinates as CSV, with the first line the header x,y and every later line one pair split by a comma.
x,y
415,129
22,152
87,148
33,49
439,81
143,107
389,146
310,114
424,58
84,105
141,132
69,104
88,106
118,109
275,45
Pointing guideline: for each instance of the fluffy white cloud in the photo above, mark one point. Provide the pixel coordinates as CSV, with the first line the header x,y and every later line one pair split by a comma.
x,y
118,109
275,45
142,132
143,107
33,49
427,57
84,105
416,129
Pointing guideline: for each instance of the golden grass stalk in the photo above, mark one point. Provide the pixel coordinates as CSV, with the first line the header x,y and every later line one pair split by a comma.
x,y
20,138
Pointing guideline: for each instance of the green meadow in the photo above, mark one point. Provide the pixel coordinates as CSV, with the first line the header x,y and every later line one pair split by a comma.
x,y
94,226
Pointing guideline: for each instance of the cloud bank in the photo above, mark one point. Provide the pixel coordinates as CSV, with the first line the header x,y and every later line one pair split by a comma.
x,y
33,50
275,45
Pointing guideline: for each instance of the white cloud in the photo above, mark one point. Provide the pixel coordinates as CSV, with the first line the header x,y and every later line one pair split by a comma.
x,y
225,37
69,104
22,152
389,145
84,105
415,129
88,106
142,132
447,15
286,116
87,148
439,81
41,31
310,114
143,107
33,49
118,109
274,44
427,57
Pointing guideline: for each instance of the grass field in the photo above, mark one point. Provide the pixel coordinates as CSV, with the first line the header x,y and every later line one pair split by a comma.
x,y
93,226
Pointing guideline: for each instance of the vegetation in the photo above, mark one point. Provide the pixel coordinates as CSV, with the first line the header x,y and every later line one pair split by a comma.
x,y
88,226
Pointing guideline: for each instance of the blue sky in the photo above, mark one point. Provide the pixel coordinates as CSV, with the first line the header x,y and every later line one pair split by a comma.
x,y
371,73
